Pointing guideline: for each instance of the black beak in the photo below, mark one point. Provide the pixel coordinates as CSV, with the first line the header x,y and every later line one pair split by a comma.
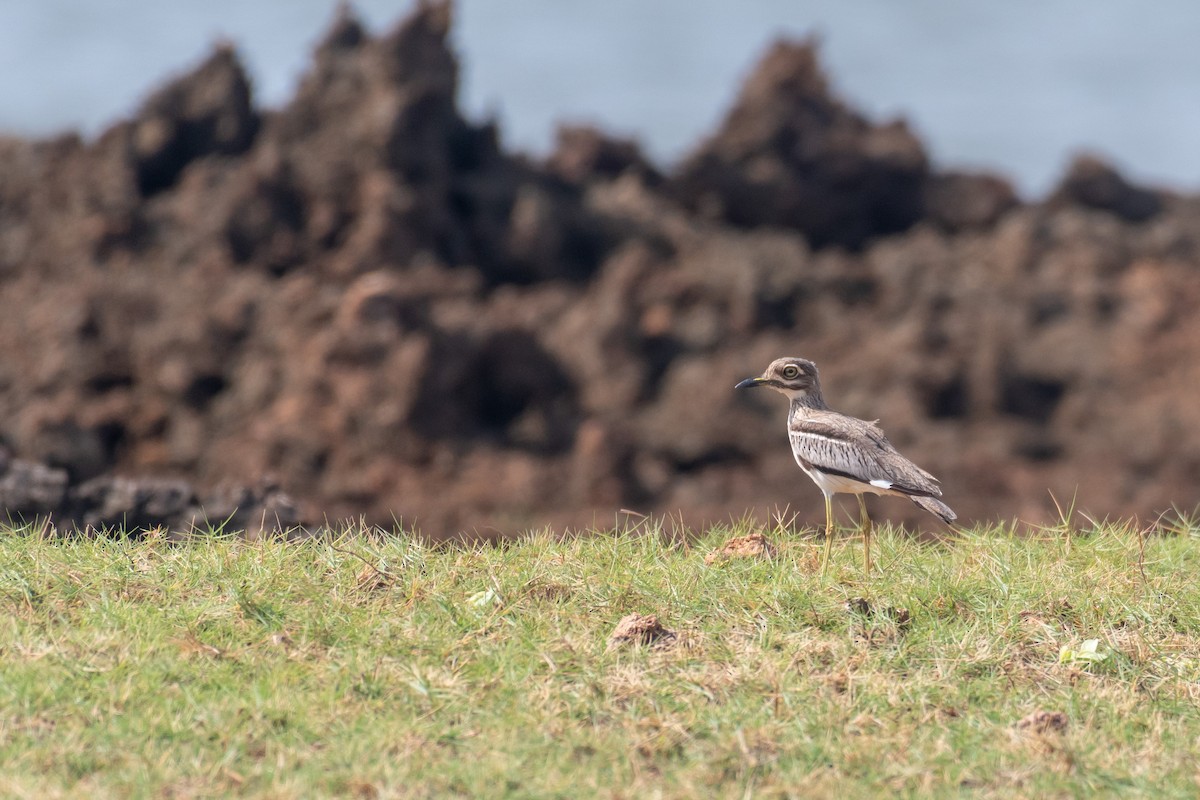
x,y
750,383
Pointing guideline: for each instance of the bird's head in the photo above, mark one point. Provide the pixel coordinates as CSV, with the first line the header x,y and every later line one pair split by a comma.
x,y
794,377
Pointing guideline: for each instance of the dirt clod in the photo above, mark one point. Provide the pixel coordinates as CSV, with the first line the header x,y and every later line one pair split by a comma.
x,y
1043,722
755,545
640,629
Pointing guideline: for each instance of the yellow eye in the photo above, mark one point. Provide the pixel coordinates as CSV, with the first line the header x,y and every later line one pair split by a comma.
x,y
790,372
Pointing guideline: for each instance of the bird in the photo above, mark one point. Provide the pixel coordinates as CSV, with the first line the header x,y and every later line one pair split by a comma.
x,y
843,454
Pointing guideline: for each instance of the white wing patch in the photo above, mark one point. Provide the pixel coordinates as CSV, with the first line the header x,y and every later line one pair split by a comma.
x,y
882,484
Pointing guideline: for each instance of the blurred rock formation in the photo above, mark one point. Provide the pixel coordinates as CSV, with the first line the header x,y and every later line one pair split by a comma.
x,y
366,296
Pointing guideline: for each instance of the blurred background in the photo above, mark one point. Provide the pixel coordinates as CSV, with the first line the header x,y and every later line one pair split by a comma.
x,y
496,267
1015,89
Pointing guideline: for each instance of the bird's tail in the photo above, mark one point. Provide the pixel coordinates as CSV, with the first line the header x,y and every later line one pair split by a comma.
x,y
935,507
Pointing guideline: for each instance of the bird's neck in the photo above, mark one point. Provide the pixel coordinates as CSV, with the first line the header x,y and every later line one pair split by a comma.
x,y
804,403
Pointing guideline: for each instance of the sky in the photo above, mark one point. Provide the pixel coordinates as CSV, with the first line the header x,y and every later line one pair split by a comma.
x,y
1016,87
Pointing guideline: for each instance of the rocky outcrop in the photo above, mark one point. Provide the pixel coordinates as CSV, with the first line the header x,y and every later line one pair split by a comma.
x,y
34,495
791,155
365,296
1092,183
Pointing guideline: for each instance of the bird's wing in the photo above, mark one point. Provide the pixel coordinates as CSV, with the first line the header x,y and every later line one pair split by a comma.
x,y
859,450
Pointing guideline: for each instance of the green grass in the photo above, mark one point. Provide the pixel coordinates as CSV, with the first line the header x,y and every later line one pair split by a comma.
x,y
377,667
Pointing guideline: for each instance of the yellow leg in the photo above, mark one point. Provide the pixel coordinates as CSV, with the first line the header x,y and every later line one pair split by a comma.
x,y
868,528
828,532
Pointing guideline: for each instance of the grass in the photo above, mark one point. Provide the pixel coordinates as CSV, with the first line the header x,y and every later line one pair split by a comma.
x,y
376,667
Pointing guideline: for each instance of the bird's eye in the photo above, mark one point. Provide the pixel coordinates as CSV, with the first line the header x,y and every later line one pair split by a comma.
x,y
790,372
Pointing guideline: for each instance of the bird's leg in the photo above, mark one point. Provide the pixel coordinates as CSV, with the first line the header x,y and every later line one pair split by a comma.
x,y
867,529
828,532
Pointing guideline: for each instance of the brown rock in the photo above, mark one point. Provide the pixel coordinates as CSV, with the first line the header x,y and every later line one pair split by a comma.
x,y
1093,183
584,153
960,201
790,154
207,112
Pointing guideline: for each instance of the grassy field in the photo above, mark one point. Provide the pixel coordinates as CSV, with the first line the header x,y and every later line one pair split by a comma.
x,y
989,665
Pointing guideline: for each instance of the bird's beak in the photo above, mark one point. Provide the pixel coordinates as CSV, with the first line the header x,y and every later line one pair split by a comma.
x,y
750,383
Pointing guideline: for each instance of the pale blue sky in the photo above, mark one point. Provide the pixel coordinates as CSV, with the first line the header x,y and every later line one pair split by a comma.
x,y
1015,86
